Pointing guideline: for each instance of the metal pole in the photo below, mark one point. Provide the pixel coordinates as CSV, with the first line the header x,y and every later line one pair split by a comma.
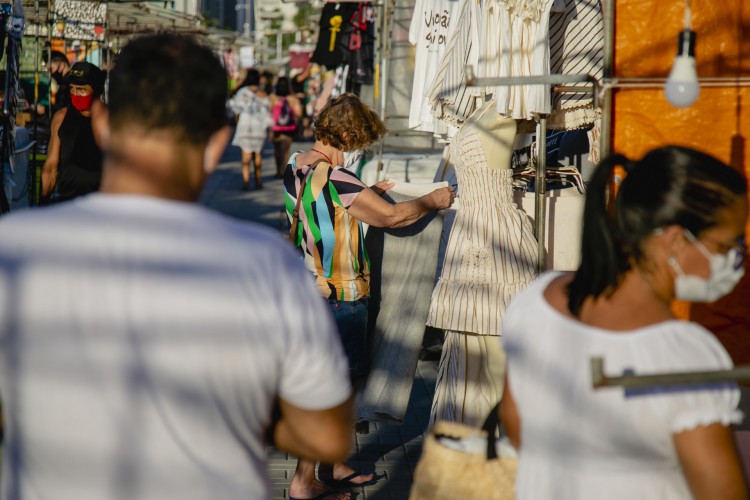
x,y
599,379
605,145
248,27
385,54
31,179
540,191
278,45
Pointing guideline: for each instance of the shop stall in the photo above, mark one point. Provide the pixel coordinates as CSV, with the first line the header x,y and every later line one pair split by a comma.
x,y
82,30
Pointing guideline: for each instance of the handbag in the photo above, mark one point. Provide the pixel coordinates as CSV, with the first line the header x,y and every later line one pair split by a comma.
x,y
444,473
295,212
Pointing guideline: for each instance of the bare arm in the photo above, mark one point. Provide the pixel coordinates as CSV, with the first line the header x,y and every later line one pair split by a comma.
x,y
51,164
508,414
324,435
295,105
710,462
370,208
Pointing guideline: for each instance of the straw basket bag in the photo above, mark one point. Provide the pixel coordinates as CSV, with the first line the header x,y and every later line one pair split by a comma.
x,y
444,473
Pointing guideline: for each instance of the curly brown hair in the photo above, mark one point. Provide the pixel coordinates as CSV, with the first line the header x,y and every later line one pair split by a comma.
x,y
347,124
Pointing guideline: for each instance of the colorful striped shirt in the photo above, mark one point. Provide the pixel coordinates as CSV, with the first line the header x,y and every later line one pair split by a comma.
x,y
332,240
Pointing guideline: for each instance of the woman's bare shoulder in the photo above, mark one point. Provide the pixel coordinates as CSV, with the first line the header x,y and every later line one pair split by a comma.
x,y
556,293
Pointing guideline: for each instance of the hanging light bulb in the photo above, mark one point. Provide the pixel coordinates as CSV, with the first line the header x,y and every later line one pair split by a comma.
x,y
682,88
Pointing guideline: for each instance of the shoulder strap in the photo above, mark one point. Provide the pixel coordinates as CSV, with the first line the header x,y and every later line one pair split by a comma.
x,y
295,213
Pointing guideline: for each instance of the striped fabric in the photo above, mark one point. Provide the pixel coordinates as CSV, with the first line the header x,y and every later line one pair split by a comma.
x,y
333,241
470,379
449,96
491,252
576,47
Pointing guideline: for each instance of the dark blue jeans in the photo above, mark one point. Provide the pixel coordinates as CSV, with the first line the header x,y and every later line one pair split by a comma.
x,y
351,321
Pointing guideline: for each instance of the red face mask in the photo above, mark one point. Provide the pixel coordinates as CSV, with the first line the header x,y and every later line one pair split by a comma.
x,y
82,102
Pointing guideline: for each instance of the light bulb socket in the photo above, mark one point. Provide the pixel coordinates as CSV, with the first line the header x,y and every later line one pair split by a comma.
x,y
686,43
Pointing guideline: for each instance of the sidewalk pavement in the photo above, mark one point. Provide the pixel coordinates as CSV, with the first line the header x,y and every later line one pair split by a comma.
x,y
390,451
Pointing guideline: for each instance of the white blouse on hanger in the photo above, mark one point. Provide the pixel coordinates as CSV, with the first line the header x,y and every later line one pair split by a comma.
x,y
451,100
523,33
430,29
576,47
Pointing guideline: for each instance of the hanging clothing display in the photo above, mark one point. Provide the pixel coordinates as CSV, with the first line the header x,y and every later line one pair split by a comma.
x,y
331,49
12,20
403,264
429,32
520,38
451,100
347,39
360,45
491,255
522,28
576,47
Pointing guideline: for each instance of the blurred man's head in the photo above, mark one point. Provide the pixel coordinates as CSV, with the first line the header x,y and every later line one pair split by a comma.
x,y
165,126
168,83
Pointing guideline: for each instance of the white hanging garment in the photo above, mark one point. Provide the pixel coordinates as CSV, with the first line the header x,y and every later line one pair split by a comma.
x,y
451,100
576,47
523,30
429,32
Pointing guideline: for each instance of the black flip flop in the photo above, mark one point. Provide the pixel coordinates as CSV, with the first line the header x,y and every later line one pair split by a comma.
x,y
346,482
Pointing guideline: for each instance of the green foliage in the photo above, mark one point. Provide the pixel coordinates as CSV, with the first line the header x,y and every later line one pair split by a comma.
x,y
304,10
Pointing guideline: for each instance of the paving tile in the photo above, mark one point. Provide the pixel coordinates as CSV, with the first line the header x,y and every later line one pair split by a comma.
x,y
277,474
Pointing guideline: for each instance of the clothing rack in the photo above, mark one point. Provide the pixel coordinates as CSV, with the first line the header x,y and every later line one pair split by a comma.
x,y
632,381
540,189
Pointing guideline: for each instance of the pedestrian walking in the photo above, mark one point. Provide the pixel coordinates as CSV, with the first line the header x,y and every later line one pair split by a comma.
x,y
252,107
287,111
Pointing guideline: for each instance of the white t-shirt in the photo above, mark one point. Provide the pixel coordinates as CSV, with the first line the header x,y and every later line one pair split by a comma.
x,y
429,32
142,342
583,443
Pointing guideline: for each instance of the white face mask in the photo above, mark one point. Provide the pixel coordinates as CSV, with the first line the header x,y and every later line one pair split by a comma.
x,y
726,272
351,159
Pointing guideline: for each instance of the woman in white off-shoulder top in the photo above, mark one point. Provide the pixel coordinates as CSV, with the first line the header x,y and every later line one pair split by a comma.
x,y
675,231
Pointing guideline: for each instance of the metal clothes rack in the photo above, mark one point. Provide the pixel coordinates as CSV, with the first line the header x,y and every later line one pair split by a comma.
x,y
540,190
631,381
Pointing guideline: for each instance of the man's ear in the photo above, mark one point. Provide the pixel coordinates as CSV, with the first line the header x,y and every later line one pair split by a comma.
x,y
215,147
100,123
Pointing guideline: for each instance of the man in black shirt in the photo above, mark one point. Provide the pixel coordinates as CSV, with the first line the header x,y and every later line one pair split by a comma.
x,y
59,68
74,161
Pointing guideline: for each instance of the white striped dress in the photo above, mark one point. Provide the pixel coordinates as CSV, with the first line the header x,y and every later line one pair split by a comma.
x,y
576,47
491,255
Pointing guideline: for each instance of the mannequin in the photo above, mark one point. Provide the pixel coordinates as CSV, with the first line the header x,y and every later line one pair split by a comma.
x,y
496,133
491,255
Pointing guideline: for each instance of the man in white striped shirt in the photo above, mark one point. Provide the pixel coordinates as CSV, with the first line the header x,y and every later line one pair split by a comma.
x,y
144,338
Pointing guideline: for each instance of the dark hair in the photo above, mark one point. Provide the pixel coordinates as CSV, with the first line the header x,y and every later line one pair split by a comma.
x,y
169,82
57,56
282,88
669,186
347,115
251,78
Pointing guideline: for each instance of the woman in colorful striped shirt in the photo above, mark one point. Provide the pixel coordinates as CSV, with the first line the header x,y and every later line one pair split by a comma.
x,y
333,206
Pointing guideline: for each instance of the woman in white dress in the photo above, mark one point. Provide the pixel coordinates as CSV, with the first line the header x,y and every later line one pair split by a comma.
x,y
251,104
675,232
